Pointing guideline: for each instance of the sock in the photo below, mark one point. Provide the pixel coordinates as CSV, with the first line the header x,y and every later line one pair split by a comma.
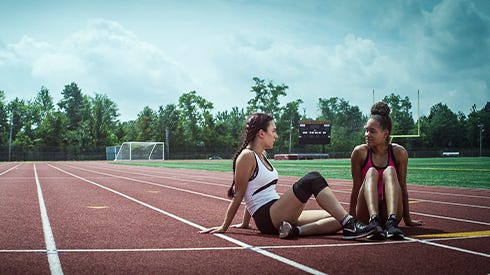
x,y
346,219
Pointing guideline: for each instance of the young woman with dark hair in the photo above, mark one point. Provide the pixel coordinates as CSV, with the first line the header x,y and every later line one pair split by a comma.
x,y
379,172
255,182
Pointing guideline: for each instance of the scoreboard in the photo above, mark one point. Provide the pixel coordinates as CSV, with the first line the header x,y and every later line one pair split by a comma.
x,y
314,132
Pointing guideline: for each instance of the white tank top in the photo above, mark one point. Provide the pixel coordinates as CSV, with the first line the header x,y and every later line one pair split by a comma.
x,y
261,189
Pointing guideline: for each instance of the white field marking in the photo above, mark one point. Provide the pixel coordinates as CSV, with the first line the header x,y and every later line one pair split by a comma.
x,y
428,201
346,182
150,183
224,199
163,173
23,251
453,203
175,177
262,251
222,236
53,259
178,249
8,170
335,191
450,194
449,218
450,247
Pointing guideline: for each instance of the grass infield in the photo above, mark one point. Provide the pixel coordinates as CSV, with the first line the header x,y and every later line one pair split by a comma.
x,y
471,172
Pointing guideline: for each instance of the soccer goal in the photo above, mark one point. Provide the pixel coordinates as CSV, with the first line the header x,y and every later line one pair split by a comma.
x,y
135,150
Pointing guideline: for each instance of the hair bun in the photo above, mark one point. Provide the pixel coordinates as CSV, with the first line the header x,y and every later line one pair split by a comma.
x,y
381,109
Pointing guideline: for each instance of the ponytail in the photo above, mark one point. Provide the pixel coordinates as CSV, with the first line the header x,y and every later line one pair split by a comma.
x,y
231,191
255,122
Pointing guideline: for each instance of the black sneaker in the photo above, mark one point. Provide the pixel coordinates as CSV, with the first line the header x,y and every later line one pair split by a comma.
x,y
378,233
287,231
354,229
392,231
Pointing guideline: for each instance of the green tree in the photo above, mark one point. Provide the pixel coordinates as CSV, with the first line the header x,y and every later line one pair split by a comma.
x,y
196,119
472,129
43,103
346,123
266,97
400,114
73,104
19,113
443,128
53,129
287,125
144,123
103,120
228,130
4,119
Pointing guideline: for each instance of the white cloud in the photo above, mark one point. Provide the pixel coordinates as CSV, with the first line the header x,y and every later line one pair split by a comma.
x,y
317,48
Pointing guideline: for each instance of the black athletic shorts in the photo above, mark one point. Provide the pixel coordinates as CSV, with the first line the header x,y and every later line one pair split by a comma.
x,y
263,221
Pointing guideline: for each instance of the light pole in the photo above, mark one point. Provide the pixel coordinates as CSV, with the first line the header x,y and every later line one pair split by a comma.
x,y
480,125
10,136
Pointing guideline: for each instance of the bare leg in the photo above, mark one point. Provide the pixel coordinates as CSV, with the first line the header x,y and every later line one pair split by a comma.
x,y
287,208
328,201
370,187
317,222
393,197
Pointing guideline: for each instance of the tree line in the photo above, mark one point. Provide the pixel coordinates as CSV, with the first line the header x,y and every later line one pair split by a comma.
x,y
81,126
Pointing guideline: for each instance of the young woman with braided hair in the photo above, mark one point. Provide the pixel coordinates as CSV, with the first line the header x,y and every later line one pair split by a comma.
x,y
379,172
255,182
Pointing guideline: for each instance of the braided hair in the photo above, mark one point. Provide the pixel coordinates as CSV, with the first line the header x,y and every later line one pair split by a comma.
x,y
381,113
254,124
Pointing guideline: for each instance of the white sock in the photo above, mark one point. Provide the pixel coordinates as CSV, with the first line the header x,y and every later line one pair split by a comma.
x,y
346,219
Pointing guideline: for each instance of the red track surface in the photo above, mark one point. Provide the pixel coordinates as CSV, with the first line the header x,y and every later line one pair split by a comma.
x,y
106,218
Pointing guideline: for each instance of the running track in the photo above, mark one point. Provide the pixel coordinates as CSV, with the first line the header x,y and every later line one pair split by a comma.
x,y
98,217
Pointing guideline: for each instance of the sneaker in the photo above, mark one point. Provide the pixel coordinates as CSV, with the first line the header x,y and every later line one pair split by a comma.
x,y
287,230
392,231
354,229
378,233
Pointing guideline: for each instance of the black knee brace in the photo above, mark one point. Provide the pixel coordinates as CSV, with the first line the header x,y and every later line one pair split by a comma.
x,y
310,184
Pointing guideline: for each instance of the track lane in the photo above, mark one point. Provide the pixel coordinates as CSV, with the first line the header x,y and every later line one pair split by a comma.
x,y
288,263
261,238
185,201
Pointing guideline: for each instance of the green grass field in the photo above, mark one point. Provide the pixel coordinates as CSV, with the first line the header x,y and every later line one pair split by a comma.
x,y
459,172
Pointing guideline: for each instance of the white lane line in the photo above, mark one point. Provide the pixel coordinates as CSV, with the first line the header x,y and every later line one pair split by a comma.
x,y
53,259
8,170
449,247
434,216
158,175
222,236
224,199
180,249
451,194
452,203
449,218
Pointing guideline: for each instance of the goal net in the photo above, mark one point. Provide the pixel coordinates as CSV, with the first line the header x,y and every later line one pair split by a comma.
x,y
135,150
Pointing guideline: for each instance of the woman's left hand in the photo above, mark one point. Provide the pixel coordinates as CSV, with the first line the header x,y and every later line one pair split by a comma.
x,y
241,226
212,230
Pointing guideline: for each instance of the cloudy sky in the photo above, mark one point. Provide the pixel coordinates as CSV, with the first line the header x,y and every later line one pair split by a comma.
x,y
148,52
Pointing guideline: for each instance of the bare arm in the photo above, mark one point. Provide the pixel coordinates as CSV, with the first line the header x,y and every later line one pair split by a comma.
x,y
245,165
356,171
246,220
401,156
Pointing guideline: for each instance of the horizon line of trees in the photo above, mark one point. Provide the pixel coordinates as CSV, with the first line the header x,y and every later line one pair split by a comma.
x,y
81,126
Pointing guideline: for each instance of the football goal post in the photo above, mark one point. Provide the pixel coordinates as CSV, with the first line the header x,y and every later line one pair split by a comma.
x,y
135,150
